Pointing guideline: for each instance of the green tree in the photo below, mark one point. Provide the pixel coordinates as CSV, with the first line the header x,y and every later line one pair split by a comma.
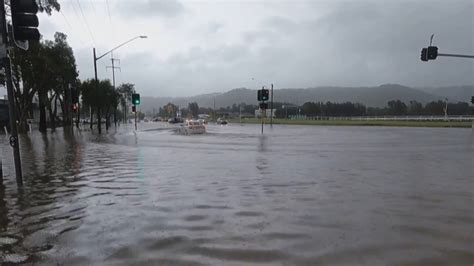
x,y
125,90
415,108
193,109
397,107
30,75
48,6
435,108
171,110
99,98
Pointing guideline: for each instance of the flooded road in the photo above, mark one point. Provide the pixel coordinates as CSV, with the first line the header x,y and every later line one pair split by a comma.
x,y
299,195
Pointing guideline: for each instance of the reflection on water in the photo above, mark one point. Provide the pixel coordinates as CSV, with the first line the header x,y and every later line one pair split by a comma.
x,y
296,195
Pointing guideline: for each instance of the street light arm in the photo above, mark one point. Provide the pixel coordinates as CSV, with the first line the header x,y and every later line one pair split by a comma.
x,y
120,45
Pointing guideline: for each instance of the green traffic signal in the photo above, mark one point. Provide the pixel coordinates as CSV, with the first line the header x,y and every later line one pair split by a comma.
x,y
136,98
265,95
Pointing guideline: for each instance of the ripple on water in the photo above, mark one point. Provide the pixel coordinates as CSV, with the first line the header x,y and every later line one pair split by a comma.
x,y
239,255
195,217
12,258
248,214
5,240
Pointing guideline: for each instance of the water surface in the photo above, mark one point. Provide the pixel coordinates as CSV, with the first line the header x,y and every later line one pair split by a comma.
x,y
298,195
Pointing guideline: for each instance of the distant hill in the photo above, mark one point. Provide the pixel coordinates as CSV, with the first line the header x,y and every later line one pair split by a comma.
x,y
454,94
370,96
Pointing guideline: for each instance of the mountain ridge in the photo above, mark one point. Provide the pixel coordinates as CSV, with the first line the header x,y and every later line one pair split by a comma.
x,y
371,96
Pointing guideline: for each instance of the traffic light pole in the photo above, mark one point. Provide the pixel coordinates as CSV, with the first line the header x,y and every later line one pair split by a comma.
x,y
135,118
456,55
11,98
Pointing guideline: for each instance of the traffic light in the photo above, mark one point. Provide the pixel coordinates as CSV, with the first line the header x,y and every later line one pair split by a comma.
x,y
263,105
432,52
134,109
265,95
136,99
424,54
472,99
259,95
24,20
74,107
74,96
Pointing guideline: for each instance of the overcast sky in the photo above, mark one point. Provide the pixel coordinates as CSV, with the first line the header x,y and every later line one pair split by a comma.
x,y
196,47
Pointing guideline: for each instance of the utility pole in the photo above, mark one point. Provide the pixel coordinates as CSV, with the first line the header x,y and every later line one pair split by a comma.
x,y
95,72
262,96
113,81
96,86
113,67
271,107
6,64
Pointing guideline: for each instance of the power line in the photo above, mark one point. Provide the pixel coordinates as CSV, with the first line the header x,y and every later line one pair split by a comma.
x,y
93,7
70,27
87,24
108,11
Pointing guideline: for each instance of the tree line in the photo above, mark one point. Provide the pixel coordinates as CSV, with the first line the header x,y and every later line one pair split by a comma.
x,y
44,78
393,108
171,110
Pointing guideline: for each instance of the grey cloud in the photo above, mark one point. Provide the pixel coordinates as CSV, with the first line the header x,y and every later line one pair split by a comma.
x,y
355,44
150,8
215,27
367,43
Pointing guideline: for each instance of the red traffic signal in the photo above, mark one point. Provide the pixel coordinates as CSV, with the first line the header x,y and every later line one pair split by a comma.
x,y
134,109
74,107
74,96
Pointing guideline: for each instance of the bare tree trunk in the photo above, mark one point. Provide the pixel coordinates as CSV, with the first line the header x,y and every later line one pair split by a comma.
x,y
115,115
51,116
42,110
92,116
55,110
66,106
99,124
107,119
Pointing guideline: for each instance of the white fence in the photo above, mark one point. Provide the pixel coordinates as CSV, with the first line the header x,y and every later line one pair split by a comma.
x,y
398,118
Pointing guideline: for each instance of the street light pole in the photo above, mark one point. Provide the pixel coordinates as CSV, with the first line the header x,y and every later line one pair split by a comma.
x,y
96,85
271,108
95,73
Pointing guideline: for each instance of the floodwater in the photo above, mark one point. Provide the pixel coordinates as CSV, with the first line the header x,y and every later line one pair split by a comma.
x,y
298,195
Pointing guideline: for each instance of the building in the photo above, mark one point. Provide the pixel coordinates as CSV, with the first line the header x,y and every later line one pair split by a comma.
x,y
268,113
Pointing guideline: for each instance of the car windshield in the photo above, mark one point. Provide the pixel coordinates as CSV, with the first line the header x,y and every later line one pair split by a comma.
x,y
243,132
